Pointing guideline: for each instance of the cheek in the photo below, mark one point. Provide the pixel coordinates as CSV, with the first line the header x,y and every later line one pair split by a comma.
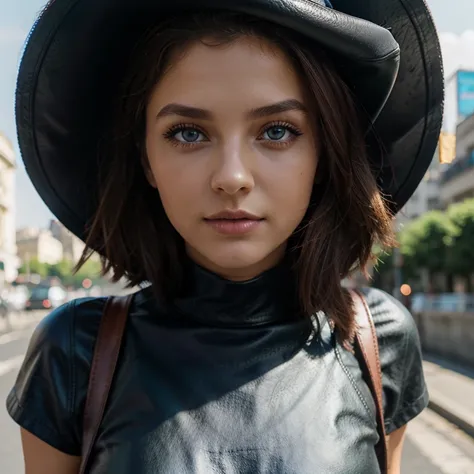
x,y
294,197
179,189
306,173
292,185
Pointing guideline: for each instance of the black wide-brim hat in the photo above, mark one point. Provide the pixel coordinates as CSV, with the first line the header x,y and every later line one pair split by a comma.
x,y
386,50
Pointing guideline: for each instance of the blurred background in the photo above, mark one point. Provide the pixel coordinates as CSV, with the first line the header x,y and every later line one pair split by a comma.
x,y
432,271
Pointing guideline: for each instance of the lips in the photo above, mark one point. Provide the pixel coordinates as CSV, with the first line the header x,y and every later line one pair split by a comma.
x,y
233,215
232,222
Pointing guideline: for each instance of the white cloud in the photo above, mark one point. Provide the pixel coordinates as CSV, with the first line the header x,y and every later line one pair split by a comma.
x,y
458,51
12,36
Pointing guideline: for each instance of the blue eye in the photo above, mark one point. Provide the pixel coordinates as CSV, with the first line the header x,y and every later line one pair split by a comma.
x,y
276,133
280,133
187,135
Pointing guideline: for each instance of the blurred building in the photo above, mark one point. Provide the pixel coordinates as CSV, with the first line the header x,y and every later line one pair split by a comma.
x,y
39,244
72,245
457,181
9,261
427,195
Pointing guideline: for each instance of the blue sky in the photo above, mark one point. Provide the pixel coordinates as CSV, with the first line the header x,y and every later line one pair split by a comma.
x,y
453,16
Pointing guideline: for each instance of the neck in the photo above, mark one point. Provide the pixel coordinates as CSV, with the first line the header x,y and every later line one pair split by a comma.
x,y
238,270
268,298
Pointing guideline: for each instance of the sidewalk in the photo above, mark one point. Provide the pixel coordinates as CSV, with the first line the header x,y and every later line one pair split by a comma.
x,y
451,390
23,319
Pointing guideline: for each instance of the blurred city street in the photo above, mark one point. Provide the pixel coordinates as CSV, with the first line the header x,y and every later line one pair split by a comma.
x,y
433,445
431,271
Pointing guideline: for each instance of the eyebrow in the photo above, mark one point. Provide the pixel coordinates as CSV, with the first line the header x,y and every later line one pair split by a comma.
x,y
277,108
197,113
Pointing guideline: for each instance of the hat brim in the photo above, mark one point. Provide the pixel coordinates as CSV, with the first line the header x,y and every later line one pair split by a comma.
x,y
77,49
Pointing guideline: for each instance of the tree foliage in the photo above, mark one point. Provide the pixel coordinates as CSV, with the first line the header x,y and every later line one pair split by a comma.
x,y
34,266
64,271
424,243
61,269
460,256
436,242
91,269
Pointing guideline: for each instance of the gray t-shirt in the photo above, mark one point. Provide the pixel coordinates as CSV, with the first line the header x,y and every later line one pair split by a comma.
x,y
226,380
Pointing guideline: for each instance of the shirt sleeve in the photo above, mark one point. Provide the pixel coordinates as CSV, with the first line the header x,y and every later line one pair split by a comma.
x,y
404,388
42,400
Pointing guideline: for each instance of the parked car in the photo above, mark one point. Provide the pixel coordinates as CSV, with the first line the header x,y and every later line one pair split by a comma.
x,y
46,297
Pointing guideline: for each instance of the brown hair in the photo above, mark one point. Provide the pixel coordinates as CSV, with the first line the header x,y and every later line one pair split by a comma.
x,y
347,213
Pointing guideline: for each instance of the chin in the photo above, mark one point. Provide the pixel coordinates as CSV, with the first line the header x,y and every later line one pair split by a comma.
x,y
242,260
236,261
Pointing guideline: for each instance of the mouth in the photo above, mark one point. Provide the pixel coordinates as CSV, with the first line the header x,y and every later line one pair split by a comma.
x,y
233,222
232,215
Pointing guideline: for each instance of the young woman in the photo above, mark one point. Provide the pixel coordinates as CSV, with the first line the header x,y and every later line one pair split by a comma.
x,y
238,163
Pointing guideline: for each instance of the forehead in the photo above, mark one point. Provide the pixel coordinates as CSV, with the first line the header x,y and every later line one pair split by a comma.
x,y
244,69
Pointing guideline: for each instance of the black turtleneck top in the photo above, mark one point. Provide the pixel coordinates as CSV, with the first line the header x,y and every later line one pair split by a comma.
x,y
228,379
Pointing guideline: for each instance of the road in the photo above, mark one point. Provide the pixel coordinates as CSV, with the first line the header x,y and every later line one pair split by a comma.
x,y
433,446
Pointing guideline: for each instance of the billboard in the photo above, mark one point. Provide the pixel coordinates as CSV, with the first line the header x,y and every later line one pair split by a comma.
x,y
465,95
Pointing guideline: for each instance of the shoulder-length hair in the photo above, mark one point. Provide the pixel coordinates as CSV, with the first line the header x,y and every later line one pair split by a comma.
x,y
347,213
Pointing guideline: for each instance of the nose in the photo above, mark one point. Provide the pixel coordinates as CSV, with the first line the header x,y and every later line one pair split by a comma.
x,y
233,174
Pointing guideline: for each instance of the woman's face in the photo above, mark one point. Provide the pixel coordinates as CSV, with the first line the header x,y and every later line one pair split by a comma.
x,y
232,153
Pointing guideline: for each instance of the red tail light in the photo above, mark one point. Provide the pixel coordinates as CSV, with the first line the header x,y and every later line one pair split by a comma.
x,y
46,304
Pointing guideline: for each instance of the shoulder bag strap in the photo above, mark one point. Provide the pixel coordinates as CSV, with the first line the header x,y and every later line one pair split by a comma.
x,y
106,352
367,344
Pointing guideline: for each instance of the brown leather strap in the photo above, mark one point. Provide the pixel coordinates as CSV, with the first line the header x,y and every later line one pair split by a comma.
x,y
368,346
106,352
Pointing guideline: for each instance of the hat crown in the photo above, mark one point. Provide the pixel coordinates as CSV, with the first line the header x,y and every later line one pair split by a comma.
x,y
375,43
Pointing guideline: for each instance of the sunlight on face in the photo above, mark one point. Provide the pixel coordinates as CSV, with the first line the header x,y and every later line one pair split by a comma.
x,y
232,153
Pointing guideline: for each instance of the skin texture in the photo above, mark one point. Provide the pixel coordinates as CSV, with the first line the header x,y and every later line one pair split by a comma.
x,y
235,164
395,449
40,458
